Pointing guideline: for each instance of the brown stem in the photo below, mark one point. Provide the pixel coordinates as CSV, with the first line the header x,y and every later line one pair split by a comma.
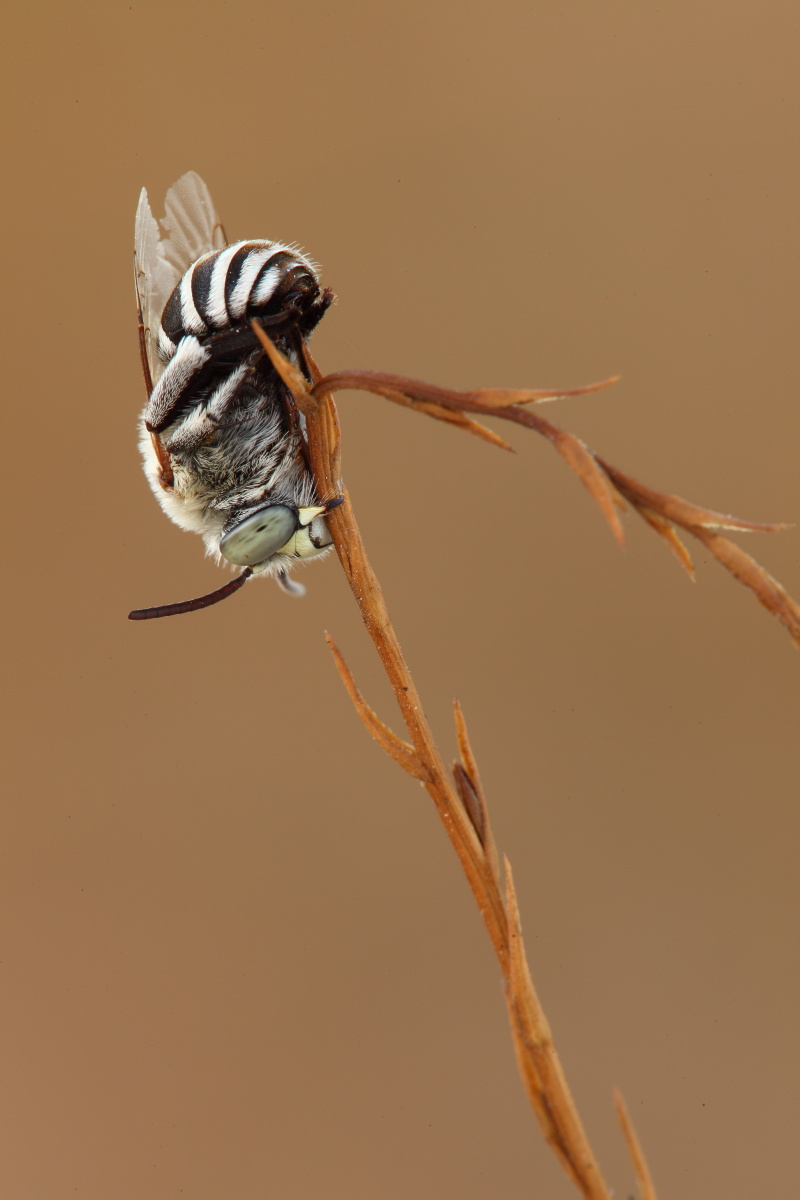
x,y
473,843
643,1176
460,802
323,447
608,486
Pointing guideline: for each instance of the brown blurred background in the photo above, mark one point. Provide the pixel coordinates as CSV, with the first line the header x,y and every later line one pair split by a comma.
x,y
239,958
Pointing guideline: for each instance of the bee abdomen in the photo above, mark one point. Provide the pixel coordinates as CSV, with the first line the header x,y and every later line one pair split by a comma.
x,y
226,287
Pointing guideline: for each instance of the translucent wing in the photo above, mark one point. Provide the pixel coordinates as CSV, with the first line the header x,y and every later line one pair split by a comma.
x,y
154,279
191,228
192,225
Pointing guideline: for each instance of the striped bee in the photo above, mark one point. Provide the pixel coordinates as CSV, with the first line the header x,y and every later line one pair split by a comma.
x,y
223,445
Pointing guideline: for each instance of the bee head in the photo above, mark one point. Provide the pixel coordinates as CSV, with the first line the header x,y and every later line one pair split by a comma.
x,y
252,540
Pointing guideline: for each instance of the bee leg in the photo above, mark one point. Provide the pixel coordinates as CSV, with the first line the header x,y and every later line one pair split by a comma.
x,y
165,475
173,392
289,585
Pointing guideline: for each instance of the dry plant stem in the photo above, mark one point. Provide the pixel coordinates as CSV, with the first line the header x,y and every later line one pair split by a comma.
x,y
555,1110
461,806
609,487
422,760
540,1065
643,1178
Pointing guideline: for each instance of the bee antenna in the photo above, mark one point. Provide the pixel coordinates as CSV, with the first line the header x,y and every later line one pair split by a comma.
x,y
184,606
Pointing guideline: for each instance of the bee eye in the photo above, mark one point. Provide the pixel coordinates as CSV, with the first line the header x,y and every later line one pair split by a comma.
x,y
256,538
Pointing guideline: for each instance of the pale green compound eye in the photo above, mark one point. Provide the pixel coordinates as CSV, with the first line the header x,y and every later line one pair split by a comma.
x,y
258,537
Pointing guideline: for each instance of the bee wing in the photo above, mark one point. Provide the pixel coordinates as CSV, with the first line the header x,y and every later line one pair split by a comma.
x,y
191,229
155,280
192,225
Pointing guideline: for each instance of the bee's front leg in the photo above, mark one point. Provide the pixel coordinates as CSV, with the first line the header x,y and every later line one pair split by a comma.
x,y
166,476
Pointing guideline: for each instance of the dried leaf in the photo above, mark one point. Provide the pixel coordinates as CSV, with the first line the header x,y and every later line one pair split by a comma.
x,y
690,515
585,466
403,754
643,1176
744,568
469,798
480,817
681,511
326,425
294,379
449,415
665,530
503,397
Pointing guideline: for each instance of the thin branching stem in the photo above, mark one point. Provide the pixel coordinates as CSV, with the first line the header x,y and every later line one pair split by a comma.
x,y
460,800
609,487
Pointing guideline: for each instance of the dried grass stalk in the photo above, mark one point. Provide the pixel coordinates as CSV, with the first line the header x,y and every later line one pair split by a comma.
x,y
608,486
459,799
643,1177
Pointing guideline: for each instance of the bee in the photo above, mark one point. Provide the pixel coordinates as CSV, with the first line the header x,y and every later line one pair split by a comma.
x,y
223,444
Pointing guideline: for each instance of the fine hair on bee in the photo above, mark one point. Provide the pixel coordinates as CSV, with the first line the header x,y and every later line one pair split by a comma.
x,y
222,441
